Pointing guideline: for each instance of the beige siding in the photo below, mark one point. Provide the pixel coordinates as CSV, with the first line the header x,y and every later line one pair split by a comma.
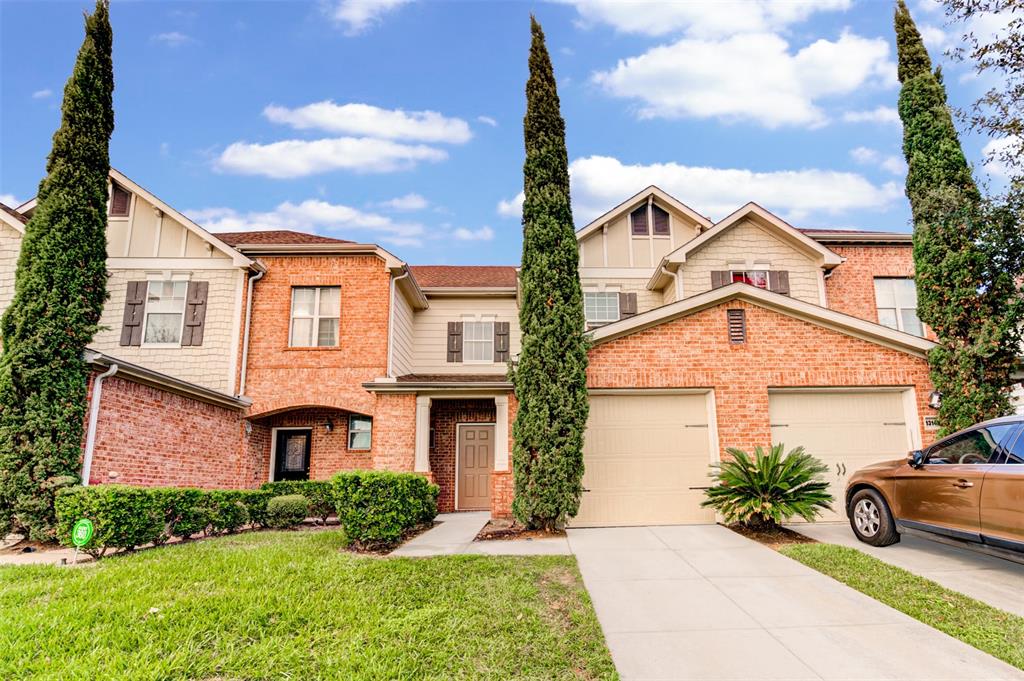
x,y
10,246
645,300
647,251
145,234
401,336
209,364
748,245
430,331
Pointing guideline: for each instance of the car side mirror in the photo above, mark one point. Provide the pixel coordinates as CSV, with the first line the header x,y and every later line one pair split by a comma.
x,y
916,459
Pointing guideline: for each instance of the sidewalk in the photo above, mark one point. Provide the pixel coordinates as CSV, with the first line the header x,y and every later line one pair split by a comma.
x,y
455,534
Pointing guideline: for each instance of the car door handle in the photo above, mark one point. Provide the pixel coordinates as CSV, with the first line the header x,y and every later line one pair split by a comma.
x,y
963,484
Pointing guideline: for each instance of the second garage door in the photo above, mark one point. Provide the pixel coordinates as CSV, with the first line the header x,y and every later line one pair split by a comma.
x,y
644,454
846,430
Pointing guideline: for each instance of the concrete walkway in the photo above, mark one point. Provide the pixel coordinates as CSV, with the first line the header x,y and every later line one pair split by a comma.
x,y
455,534
701,602
992,580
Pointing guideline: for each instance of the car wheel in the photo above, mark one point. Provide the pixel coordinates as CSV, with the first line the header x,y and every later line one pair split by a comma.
x,y
871,519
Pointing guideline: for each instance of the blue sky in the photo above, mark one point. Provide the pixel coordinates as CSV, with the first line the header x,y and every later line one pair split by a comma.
x,y
401,122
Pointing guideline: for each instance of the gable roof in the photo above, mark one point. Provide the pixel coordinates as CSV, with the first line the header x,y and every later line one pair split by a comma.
x,y
858,236
13,218
631,202
277,236
465,276
820,316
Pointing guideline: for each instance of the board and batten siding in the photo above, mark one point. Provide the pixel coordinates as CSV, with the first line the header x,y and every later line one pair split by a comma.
x,y
401,336
745,246
430,333
647,250
145,234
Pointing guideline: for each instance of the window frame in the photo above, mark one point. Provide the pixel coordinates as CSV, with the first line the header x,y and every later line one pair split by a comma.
x,y
1014,444
746,272
315,317
994,455
352,419
488,340
114,186
647,222
654,230
897,310
618,309
146,311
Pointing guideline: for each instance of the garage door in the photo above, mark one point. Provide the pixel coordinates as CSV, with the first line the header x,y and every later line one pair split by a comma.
x,y
846,430
643,454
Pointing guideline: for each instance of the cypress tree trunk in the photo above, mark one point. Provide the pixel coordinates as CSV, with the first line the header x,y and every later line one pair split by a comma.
x,y
59,291
550,379
962,295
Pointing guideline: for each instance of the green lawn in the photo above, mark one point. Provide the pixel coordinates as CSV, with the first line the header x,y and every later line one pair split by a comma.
x,y
998,633
290,605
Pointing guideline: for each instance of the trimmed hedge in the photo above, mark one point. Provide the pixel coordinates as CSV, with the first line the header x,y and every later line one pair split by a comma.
x,y
285,512
319,494
377,508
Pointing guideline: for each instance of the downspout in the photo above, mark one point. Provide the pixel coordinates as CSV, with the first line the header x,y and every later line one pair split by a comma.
x,y
245,335
391,324
94,415
675,280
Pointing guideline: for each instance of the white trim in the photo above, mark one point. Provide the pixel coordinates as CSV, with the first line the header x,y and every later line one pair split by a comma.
x,y
273,447
638,273
488,318
712,409
349,431
634,201
315,317
421,457
501,452
236,331
822,294
169,263
159,230
604,243
13,222
913,417
606,392
458,439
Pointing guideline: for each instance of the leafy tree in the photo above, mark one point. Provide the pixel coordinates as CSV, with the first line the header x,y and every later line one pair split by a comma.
x,y
59,291
550,378
965,273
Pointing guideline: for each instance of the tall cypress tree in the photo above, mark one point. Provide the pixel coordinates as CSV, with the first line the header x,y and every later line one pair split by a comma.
x,y
550,379
965,294
59,291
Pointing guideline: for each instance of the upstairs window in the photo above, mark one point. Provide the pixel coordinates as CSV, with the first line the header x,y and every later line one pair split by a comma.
x,y
758,278
165,312
661,220
896,299
638,221
315,314
120,201
601,308
478,341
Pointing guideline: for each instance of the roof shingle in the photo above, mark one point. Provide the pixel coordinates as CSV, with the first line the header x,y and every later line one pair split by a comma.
x,y
465,276
276,236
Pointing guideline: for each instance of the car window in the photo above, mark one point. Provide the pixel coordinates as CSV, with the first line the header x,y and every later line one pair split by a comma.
x,y
977,446
1015,452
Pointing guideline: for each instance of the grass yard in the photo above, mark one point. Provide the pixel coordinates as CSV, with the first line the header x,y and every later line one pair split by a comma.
x,y
994,631
290,605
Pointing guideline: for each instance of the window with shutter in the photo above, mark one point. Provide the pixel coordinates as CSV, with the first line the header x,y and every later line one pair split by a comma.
x,y
478,341
454,341
165,312
638,221
134,309
195,313
627,305
120,200
778,281
737,326
719,279
661,220
501,342
601,307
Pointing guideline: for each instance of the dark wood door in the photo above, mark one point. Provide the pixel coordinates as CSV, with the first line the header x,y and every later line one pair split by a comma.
x,y
292,455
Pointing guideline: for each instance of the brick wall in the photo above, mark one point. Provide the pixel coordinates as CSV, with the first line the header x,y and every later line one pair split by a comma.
x,y
851,288
394,432
781,351
444,416
329,452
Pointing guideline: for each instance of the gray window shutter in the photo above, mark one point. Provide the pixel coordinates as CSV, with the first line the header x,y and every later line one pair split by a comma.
x,y
195,313
779,282
454,341
501,332
627,305
719,279
134,308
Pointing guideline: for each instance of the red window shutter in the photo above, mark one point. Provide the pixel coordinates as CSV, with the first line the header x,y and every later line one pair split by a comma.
x,y
661,220
778,281
501,342
195,313
120,200
720,279
737,320
638,220
454,341
134,309
627,305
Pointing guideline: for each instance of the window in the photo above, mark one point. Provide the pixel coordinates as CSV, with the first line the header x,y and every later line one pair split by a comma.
x,y
600,308
638,221
120,201
661,220
1015,453
165,312
478,341
896,300
360,430
758,278
977,446
315,314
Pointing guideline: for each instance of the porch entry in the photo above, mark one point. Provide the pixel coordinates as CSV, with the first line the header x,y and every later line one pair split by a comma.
x,y
475,461
291,453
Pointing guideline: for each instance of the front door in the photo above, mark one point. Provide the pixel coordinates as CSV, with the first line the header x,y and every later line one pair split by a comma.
x,y
476,461
291,460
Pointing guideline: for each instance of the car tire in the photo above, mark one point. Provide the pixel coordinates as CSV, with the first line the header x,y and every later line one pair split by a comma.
x,y
871,519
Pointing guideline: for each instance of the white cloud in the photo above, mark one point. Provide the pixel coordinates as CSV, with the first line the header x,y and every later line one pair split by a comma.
x,y
299,158
755,77
372,121
172,39
992,152
894,164
10,200
863,155
487,120
889,163
600,182
312,215
42,94
165,149
512,208
485,233
708,18
407,203
881,114
934,37
359,15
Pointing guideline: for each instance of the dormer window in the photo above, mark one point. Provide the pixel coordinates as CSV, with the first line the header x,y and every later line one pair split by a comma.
x,y
638,221
120,201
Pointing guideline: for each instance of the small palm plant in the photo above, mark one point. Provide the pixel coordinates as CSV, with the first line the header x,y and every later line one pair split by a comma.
x,y
764,491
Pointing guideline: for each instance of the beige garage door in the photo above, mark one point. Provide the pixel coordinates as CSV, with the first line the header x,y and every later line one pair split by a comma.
x,y
643,453
847,430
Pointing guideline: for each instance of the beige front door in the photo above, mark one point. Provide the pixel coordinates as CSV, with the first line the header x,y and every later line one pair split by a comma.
x,y
476,461
646,456
846,430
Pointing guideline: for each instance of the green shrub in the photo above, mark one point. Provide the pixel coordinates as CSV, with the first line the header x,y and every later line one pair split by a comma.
x,y
376,508
186,511
319,493
123,517
255,501
229,512
767,490
287,511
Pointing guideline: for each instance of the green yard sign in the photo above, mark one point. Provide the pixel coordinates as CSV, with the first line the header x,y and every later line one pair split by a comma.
x,y
81,533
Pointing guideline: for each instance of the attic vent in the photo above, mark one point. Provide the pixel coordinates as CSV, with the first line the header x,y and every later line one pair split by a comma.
x,y
737,326
120,200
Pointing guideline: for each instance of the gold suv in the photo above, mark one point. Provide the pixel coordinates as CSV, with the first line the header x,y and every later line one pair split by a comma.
x,y
968,486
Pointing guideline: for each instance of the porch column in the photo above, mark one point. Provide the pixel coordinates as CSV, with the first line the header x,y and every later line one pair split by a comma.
x,y
422,461
501,433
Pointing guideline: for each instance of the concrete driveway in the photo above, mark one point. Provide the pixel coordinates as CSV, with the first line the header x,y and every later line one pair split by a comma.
x,y
701,602
995,581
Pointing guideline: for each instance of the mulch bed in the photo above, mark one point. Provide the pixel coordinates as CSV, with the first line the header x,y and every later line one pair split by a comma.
x,y
503,530
774,537
383,548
